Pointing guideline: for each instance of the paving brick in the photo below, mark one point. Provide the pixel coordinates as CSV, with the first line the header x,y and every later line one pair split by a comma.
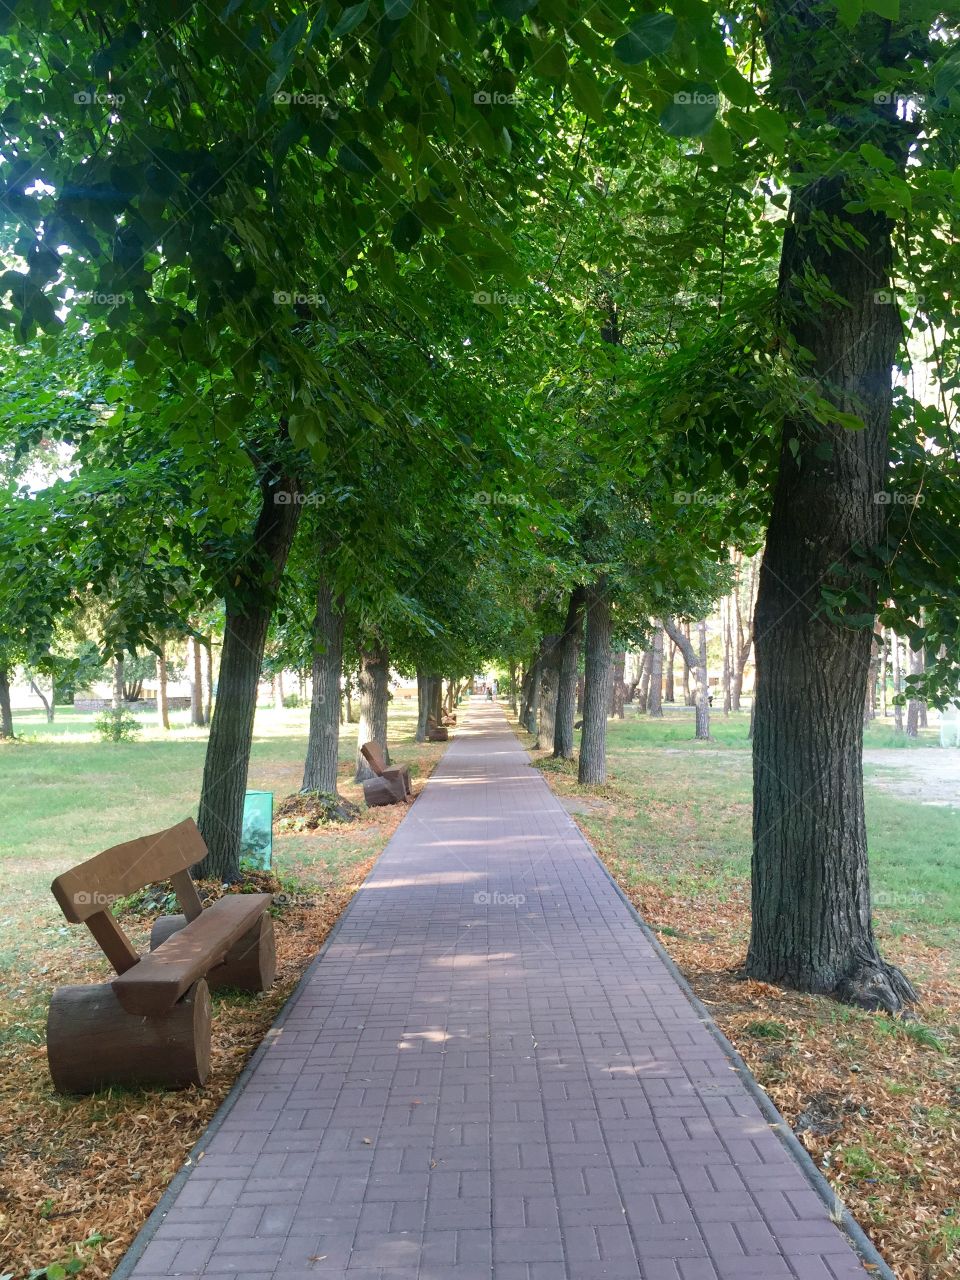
x,y
503,1088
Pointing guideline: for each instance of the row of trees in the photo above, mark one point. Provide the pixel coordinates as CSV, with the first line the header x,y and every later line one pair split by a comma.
x,y
438,334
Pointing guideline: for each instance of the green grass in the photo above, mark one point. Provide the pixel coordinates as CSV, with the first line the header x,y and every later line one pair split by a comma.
x,y
65,795
676,730
686,824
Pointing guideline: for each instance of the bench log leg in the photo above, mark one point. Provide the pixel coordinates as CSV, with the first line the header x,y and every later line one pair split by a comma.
x,y
249,965
92,1042
380,791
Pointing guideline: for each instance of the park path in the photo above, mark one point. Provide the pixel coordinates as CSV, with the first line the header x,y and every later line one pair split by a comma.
x,y
491,1072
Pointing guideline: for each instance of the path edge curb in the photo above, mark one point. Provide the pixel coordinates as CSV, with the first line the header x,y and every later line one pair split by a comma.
x,y
138,1244
863,1246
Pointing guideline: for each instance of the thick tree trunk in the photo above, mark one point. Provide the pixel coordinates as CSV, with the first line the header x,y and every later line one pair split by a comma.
x,y
592,768
323,739
812,926
618,684
883,674
655,689
870,700
694,660
196,683
668,689
163,702
689,698
248,611
726,677
6,712
374,689
533,695
549,684
569,648
278,691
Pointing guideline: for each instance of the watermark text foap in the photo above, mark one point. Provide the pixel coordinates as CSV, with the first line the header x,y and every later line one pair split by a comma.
x,y
86,98
291,298
682,498
484,299
891,497
284,498
498,899
484,499
102,901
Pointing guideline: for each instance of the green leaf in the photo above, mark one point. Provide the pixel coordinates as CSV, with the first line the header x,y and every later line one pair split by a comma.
x,y
884,8
849,11
650,36
396,10
356,158
513,10
407,230
692,111
718,145
351,17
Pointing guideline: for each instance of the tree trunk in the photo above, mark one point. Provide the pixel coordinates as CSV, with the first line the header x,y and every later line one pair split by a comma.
x,y
423,704
655,689
374,687
870,701
118,683
163,703
643,693
196,683
727,660
618,684
248,609
569,647
323,739
208,679
592,768
688,695
48,706
278,691
533,696
883,674
897,682
812,926
695,660
6,712
915,706
546,717
668,690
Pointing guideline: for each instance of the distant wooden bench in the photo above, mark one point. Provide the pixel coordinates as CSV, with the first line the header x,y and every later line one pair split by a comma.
x,y
392,783
151,1023
435,732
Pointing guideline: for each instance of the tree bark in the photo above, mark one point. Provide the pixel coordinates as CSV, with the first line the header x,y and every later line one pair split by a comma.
x,y
695,660
592,768
118,702
278,691
727,673
163,702
812,927
643,693
668,690
423,704
655,689
618,686
48,705
6,712
323,738
549,684
208,679
897,682
196,683
374,689
569,647
533,695
915,706
248,608
689,698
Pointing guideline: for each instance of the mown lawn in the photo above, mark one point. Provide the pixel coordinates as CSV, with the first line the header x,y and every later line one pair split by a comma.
x,y
875,1100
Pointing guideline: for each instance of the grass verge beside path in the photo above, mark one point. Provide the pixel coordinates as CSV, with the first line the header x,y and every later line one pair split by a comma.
x,y
81,1175
875,1100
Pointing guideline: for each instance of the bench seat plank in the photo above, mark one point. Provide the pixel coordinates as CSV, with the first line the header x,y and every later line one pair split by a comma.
x,y
159,980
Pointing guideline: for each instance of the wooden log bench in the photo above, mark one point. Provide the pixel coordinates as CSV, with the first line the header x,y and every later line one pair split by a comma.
x,y
392,782
151,1023
436,732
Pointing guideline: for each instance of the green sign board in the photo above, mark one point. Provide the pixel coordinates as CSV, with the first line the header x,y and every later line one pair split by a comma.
x,y
256,842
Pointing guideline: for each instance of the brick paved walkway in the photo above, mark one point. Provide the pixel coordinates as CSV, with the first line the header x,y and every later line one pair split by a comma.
x,y
491,1073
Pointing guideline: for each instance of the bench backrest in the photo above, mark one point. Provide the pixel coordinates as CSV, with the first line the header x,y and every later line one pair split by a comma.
x,y
87,892
374,757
